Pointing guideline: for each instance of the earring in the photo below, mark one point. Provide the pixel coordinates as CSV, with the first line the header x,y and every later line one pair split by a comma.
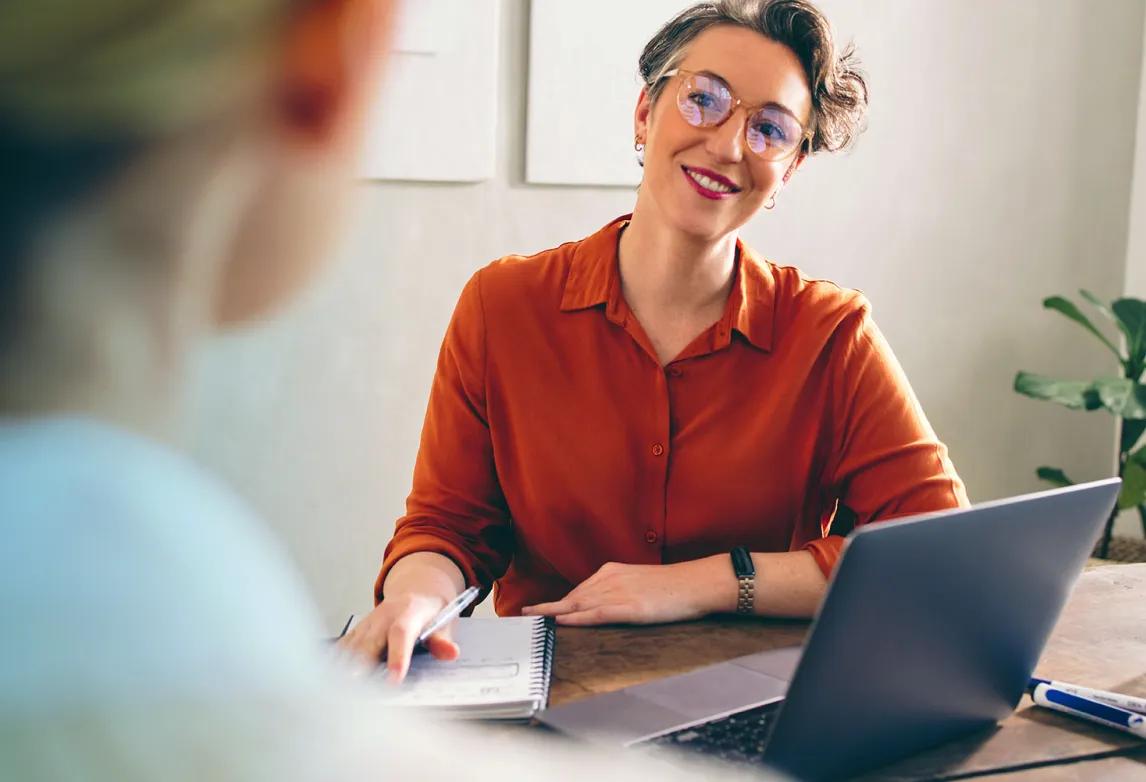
x,y
771,203
639,147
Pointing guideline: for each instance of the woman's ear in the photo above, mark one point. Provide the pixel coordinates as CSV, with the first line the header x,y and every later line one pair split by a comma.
x,y
641,116
326,69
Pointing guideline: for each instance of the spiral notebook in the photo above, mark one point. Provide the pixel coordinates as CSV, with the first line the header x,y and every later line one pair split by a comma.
x,y
502,674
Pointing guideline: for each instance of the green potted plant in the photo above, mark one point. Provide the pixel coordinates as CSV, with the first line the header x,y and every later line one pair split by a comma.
x,y
1123,397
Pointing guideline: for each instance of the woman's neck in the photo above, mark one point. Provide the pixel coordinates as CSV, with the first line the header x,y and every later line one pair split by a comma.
x,y
118,291
98,335
665,269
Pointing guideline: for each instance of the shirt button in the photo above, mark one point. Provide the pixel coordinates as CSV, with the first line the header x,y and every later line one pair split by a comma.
x,y
675,372
658,449
651,536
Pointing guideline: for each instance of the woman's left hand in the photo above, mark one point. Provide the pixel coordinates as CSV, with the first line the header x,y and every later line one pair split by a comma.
x,y
644,594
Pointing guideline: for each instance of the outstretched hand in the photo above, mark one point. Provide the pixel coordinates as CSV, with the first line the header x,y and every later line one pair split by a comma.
x,y
642,594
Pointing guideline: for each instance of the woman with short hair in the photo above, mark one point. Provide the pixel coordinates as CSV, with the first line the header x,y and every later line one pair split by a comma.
x,y
655,423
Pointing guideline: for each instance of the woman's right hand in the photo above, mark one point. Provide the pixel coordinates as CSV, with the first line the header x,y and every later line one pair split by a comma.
x,y
392,629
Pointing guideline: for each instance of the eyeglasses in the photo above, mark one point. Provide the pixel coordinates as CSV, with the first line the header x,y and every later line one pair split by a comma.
x,y
706,101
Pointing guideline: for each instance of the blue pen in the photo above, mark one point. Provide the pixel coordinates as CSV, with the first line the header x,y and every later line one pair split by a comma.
x,y
1111,716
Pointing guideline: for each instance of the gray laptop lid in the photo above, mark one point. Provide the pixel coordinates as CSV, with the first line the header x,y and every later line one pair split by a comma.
x,y
931,628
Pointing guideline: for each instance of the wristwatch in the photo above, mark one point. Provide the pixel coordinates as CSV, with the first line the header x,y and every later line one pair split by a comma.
x,y
746,578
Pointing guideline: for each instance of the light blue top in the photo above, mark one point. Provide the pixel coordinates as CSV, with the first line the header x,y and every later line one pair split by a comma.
x,y
127,572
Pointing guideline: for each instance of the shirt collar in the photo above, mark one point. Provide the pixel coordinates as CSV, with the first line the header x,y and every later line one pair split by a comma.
x,y
594,280
593,270
751,306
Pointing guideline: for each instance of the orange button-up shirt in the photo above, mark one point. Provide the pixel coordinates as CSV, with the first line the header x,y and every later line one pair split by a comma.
x,y
555,441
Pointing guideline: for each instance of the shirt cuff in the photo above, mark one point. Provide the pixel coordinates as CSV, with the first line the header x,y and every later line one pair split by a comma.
x,y
421,541
826,551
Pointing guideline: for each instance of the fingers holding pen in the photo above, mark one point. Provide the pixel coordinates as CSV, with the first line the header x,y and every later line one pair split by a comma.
x,y
442,645
390,632
403,640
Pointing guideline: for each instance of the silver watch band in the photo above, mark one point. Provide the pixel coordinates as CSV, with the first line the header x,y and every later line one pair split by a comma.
x,y
746,596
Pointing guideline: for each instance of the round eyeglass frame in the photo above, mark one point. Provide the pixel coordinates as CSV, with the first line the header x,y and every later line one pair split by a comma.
x,y
749,110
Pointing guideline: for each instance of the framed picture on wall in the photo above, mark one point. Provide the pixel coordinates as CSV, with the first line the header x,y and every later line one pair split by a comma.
x,y
443,49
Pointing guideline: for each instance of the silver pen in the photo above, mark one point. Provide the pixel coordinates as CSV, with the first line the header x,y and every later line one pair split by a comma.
x,y
452,610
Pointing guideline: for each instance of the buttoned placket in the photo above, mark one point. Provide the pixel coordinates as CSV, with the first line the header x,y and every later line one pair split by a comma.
x,y
654,489
658,439
659,452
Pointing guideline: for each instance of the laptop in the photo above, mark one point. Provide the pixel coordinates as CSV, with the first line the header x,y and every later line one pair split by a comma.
x,y
930,630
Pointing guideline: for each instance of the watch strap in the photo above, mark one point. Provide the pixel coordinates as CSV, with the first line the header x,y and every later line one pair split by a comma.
x,y
745,579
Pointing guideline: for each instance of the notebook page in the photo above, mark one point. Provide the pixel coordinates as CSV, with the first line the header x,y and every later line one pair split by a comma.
x,y
495,667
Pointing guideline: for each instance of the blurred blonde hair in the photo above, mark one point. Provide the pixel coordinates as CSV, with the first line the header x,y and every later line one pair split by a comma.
x,y
127,67
86,86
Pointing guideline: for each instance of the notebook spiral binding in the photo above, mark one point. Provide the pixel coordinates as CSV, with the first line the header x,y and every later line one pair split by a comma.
x,y
542,646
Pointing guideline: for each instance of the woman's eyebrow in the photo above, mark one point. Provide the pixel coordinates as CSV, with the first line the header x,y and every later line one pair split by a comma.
x,y
783,108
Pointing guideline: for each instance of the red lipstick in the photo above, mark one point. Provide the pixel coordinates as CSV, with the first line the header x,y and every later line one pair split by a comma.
x,y
690,173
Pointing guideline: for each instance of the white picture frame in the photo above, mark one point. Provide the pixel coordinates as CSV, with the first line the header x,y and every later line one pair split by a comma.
x,y
442,48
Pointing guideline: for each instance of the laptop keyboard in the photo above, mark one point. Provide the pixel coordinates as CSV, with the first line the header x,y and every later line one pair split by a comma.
x,y
739,737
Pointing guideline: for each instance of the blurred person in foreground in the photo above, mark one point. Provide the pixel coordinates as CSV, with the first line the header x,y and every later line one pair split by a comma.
x,y
168,169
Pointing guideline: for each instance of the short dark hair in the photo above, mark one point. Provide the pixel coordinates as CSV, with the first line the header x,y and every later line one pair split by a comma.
x,y
839,90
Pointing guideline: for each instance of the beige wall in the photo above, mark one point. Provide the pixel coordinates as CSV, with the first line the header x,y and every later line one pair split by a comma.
x,y
1136,242
1130,522
995,171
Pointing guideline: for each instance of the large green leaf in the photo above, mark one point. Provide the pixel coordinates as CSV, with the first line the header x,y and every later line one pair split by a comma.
x,y
1053,475
1133,491
1122,397
1075,394
1068,308
1131,432
1131,317
1138,457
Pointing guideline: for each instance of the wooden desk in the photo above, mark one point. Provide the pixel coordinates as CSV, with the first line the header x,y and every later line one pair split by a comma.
x,y
1099,641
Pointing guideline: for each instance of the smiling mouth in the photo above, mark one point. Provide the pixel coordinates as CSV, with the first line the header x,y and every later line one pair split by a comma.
x,y
710,183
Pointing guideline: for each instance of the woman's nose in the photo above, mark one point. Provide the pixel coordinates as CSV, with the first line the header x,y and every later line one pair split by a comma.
x,y
726,141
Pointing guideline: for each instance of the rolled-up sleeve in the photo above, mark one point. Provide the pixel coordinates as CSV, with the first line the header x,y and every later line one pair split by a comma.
x,y
887,460
456,507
